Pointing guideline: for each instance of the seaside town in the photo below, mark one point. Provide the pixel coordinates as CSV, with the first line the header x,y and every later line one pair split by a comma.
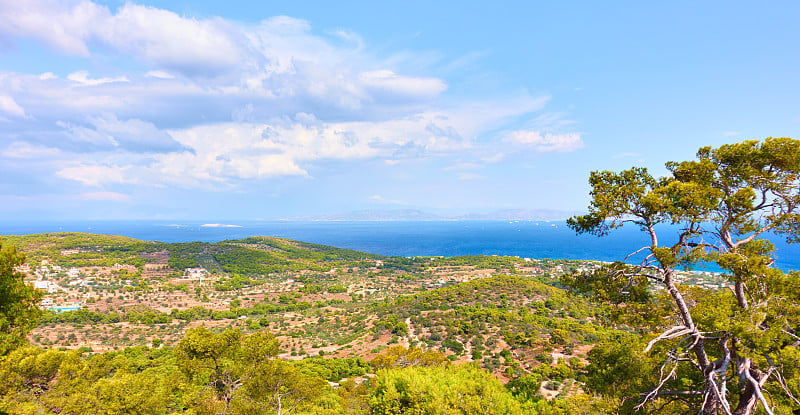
x,y
70,288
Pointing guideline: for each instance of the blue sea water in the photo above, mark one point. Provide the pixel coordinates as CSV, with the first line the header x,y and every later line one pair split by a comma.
x,y
528,239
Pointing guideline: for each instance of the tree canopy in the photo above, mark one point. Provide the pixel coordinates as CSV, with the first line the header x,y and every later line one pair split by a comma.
x,y
19,302
721,352
447,389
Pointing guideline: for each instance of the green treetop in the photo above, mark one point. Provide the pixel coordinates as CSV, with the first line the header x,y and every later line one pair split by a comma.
x,y
19,302
725,352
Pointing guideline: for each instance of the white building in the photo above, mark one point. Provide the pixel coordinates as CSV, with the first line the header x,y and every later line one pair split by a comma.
x,y
24,268
196,273
48,286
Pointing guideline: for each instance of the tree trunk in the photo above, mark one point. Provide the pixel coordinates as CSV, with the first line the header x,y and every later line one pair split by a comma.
x,y
748,400
711,403
741,298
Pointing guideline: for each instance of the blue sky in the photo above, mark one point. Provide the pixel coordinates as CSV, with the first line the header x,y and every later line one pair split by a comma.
x,y
247,110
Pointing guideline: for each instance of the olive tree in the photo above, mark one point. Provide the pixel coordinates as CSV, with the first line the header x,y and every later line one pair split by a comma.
x,y
725,352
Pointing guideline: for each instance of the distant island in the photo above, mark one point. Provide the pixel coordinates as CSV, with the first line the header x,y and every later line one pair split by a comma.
x,y
418,215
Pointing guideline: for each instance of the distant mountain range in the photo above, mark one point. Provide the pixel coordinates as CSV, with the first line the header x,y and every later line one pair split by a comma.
x,y
418,215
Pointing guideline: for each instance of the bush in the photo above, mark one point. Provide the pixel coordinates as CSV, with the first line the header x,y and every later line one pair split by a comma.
x,y
462,389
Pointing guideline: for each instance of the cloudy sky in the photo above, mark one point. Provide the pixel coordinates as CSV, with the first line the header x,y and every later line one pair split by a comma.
x,y
192,109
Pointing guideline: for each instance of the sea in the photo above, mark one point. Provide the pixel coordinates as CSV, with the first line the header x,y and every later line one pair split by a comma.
x,y
526,239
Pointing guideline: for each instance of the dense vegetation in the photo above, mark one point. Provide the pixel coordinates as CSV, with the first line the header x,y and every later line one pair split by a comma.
x,y
18,301
251,256
732,352
469,317
435,335
233,372
211,371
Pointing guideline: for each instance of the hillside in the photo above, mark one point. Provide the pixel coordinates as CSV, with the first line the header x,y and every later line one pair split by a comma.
x,y
110,292
334,314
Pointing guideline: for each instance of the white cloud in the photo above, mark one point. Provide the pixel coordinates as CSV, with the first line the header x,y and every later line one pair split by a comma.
x,y
82,77
495,158
160,74
214,103
157,36
112,196
94,175
730,133
547,141
299,73
9,106
23,150
221,154
133,135
168,40
65,26
52,98
385,80
201,71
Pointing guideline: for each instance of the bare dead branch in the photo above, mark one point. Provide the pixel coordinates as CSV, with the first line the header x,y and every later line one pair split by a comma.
x,y
757,385
671,333
663,380
644,248
663,393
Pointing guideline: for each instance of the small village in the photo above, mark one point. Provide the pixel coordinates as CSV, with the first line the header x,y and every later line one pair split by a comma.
x,y
73,288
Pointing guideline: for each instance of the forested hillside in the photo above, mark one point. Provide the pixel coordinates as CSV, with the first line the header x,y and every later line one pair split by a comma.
x,y
122,313
106,324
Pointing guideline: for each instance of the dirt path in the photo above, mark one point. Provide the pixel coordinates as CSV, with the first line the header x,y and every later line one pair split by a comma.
x,y
412,334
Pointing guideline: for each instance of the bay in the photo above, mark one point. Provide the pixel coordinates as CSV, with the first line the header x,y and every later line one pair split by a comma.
x,y
527,239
